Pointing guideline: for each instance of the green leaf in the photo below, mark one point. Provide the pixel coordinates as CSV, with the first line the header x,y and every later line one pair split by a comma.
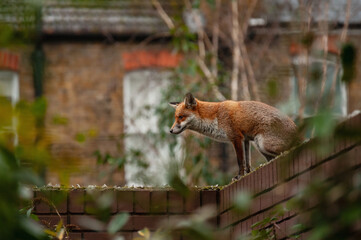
x,y
117,222
28,213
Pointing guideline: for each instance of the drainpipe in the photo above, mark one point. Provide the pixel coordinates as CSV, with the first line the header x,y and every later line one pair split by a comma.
x,y
38,64
38,56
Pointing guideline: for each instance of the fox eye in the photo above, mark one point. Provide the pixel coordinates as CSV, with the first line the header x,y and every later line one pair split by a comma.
x,y
180,117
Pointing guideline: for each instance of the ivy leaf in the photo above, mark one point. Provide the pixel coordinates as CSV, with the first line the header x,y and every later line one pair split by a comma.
x,y
117,222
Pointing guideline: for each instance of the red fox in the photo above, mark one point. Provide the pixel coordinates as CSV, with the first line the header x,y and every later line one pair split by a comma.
x,y
238,123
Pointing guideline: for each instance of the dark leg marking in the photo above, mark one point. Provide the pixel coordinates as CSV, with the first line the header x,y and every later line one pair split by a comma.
x,y
247,155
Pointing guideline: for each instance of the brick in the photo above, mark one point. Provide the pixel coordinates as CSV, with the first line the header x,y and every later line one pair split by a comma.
x,y
281,231
152,222
226,198
278,194
243,228
90,206
158,202
95,199
209,197
271,172
128,235
141,59
265,178
292,162
288,165
248,225
125,201
60,200
225,233
274,173
291,188
129,225
304,179
237,230
192,202
178,235
279,167
245,184
96,236
266,200
221,201
113,195
251,182
175,202
256,205
42,202
141,201
304,160
290,225
76,201
357,155
86,223
224,222
74,236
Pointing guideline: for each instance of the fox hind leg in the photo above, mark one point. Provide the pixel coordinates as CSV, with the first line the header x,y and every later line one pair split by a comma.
x,y
265,145
247,158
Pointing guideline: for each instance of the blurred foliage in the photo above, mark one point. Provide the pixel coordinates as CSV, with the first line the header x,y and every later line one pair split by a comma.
x,y
19,167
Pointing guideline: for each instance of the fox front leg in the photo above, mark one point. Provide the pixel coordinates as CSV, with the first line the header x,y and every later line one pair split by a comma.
x,y
239,147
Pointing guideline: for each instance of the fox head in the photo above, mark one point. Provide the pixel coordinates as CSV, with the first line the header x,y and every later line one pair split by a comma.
x,y
185,113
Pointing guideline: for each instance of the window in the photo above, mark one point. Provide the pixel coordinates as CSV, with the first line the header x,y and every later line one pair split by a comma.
x,y
142,90
9,86
9,91
334,96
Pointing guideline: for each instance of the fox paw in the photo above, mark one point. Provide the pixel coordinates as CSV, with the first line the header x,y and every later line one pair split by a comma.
x,y
236,177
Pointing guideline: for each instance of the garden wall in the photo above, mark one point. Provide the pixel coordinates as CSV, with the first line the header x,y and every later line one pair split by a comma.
x,y
271,185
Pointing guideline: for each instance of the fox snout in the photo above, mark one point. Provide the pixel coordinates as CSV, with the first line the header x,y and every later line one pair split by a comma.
x,y
176,129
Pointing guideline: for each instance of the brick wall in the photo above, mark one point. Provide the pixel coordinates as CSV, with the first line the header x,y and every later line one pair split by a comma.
x,y
84,83
147,208
271,185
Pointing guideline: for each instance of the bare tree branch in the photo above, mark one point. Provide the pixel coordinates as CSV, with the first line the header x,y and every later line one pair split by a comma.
x,y
215,39
346,23
211,79
250,9
302,80
235,51
324,29
244,53
167,20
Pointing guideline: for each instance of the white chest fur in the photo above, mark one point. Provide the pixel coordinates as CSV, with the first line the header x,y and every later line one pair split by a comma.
x,y
210,129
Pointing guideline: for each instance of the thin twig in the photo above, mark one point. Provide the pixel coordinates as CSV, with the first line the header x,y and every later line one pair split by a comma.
x,y
250,9
324,25
346,23
211,79
167,20
215,39
244,53
235,51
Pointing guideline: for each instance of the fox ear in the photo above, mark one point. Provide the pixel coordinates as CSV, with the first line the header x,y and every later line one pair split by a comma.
x,y
190,101
174,104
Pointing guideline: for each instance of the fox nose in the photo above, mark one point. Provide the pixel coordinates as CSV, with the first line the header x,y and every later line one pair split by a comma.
x,y
171,130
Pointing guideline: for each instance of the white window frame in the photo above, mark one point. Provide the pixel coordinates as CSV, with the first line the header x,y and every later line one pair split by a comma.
x,y
136,130
13,94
